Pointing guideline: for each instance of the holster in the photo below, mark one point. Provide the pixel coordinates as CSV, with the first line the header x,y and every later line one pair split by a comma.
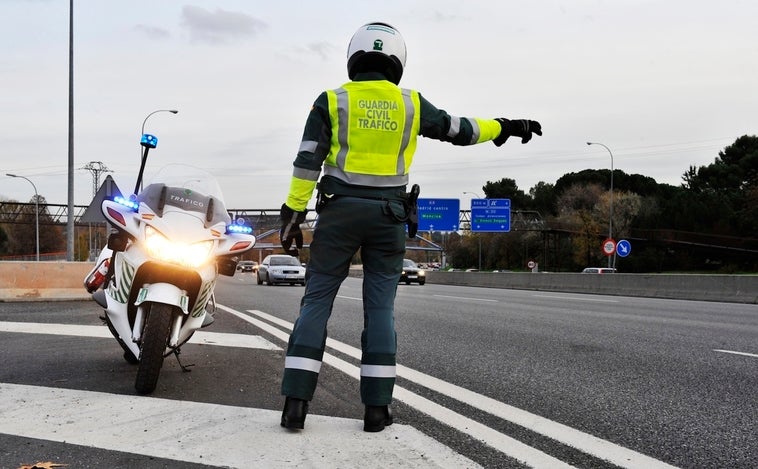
x,y
321,200
412,210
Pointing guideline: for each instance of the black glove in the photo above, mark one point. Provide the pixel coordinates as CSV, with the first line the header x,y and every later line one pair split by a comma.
x,y
517,128
290,230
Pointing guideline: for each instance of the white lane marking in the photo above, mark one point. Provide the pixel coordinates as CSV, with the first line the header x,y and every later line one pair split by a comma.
x,y
585,442
200,337
466,298
575,298
349,298
203,433
497,440
737,353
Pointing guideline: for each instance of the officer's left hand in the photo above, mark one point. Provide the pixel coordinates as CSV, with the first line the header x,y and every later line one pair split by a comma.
x,y
290,230
523,128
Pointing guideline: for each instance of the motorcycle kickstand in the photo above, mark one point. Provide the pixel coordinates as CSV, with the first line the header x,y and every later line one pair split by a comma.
x,y
177,351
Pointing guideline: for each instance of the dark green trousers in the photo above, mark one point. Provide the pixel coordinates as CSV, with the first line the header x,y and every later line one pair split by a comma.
x,y
345,226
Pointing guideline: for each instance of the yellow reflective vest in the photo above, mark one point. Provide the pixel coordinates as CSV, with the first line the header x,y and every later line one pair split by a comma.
x,y
375,125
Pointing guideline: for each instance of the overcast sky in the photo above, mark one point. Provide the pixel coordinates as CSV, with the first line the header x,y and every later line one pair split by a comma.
x,y
664,84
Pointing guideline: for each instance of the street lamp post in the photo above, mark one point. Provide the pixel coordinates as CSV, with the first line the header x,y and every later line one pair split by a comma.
x,y
610,203
36,207
478,235
172,111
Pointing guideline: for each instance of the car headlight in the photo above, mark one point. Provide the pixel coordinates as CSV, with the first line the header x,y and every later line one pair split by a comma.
x,y
189,255
421,273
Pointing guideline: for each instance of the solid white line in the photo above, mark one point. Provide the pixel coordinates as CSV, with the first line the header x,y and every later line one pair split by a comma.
x,y
737,353
55,329
466,298
585,442
211,434
199,337
575,298
497,440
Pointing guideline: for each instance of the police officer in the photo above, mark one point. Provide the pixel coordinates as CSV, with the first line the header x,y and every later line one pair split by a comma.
x,y
362,135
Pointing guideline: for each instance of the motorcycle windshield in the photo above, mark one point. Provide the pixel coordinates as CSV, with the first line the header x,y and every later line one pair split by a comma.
x,y
186,188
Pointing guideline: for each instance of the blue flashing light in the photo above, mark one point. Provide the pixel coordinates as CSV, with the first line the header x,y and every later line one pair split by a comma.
x,y
149,141
239,229
132,204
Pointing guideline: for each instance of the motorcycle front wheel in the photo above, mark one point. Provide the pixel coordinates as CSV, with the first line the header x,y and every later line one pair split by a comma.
x,y
154,340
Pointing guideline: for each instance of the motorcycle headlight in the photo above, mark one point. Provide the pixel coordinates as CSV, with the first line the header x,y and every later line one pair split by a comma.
x,y
190,255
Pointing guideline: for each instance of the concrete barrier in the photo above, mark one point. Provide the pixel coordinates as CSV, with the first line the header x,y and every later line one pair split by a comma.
x,y
725,288
43,281
47,281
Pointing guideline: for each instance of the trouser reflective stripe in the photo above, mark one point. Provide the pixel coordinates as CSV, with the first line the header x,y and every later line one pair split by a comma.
x,y
301,363
378,371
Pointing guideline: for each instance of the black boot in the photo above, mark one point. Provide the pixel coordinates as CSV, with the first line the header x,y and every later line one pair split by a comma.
x,y
376,418
293,415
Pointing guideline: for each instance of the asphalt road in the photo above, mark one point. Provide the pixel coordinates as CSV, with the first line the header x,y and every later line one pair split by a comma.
x,y
490,377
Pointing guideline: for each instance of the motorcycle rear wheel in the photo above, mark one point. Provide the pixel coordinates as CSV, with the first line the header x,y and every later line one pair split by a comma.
x,y
154,340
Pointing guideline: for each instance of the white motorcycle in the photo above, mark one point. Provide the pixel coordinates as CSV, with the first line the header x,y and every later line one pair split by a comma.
x,y
158,272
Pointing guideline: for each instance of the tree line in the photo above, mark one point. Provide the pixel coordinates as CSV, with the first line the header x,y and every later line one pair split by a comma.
x,y
18,236
707,223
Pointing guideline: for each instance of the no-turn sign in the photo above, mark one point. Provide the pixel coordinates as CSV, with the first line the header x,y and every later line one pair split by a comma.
x,y
609,247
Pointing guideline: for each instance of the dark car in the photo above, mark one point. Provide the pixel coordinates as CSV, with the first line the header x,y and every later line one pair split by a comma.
x,y
247,266
281,268
412,273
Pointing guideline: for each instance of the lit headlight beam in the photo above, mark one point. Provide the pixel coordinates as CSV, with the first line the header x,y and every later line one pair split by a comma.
x,y
190,255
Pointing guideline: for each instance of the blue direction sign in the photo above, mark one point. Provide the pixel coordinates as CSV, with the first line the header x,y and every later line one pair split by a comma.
x,y
490,215
623,248
438,214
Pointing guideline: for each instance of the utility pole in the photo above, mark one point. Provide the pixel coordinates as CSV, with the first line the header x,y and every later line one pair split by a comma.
x,y
96,168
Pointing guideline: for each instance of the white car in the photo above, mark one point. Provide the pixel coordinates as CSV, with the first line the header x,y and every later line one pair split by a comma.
x,y
599,270
281,268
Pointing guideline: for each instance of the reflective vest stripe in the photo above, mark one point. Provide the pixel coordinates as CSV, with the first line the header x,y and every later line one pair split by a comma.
x,y
378,371
301,363
474,130
410,111
343,120
308,145
307,174
366,179
455,126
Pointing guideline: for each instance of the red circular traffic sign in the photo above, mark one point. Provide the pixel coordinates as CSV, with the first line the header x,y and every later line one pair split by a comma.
x,y
609,247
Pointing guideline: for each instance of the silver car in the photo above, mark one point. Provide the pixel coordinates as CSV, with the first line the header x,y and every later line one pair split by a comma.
x,y
281,268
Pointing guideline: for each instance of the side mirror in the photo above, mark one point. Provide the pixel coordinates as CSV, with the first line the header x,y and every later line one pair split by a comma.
x,y
117,241
226,266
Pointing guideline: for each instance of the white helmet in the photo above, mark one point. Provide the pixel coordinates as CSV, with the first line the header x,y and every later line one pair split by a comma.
x,y
377,47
